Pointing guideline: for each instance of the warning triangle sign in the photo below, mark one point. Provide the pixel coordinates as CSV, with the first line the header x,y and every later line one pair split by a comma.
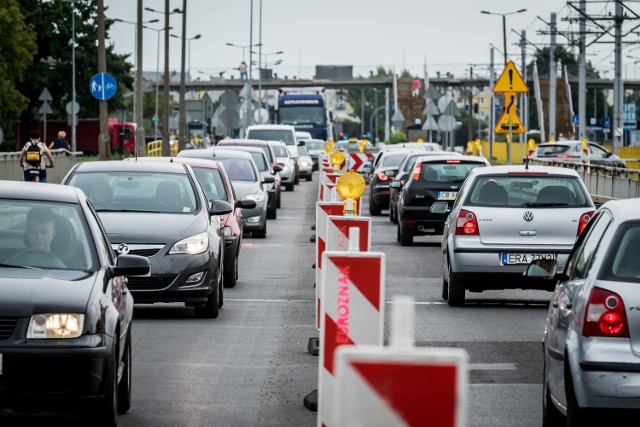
x,y
510,80
503,124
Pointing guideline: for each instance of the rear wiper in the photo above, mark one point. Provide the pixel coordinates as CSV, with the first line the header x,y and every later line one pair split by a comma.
x,y
19,266
540,205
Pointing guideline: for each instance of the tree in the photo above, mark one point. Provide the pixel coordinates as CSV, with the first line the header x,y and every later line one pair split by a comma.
x,y
17,44
52,65
373,98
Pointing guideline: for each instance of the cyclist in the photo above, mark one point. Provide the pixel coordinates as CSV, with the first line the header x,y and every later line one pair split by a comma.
x,y
30,166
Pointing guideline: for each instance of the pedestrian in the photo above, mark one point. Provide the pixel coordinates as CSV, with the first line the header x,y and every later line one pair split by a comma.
x,y
207,140
243,70
60,142
32,157
415,88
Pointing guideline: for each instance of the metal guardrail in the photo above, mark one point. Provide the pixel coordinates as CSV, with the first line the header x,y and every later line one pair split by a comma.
x,y
603,183
63,161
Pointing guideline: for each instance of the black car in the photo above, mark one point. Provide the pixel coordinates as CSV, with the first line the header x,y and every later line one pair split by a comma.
x,y
65,310
382,175
158,210
433,179
402,175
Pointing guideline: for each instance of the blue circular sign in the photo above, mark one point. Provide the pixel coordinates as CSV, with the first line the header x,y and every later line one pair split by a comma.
x,y
103,86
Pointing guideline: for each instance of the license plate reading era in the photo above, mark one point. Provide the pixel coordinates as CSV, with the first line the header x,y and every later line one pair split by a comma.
x,y
447,195
519,258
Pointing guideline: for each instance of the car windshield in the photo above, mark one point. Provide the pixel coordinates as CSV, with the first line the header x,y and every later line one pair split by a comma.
x,y
290,115
314,144
137,191
283,135
280,150
45,235
239,169
621,263
212,183
528,190
260,161
302,151
551,149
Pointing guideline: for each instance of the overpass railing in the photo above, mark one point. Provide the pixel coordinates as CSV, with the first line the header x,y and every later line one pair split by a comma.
x,y
63,161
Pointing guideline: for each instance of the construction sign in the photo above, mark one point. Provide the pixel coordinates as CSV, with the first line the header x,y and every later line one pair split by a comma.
x,y
510,81
510,122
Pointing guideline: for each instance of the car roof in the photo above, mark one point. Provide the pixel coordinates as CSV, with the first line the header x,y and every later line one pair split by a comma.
x,y
230,141
271,126
624,209
191,161
439,157
215,153
504,169
246,148
128,165
49,192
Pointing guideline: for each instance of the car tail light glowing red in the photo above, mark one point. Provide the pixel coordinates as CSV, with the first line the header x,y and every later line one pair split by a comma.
x,y
467,224
453,161
562,156
382,176
416,172
584,220
605,315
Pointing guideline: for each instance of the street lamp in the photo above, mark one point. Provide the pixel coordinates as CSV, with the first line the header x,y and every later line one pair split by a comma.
x,y
196,37
243,47
504,27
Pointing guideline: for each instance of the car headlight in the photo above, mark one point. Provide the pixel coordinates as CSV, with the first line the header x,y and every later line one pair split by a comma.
x,y
285,169
259,197
55,325
226,231
303,163
191,245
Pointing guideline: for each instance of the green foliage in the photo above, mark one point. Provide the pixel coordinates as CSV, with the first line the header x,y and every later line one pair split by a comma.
x,y
17,48
397,137
52,65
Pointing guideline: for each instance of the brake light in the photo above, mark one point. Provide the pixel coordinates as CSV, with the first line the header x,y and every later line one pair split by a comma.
x,y
562,156
382,176
453,161
281,163
584,220
605,315
467,224
416,172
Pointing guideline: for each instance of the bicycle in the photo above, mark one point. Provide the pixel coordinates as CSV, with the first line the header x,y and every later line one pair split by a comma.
x,y
35,173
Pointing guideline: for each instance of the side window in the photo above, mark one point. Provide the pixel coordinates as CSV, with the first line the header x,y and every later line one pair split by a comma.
x,y
103,243
581,260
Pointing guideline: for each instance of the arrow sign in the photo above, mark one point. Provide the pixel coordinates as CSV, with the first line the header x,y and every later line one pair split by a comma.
x,y
45,96
510,80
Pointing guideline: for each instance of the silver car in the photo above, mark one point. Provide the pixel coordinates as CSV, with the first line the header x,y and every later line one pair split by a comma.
x,y
305,163
592,333
286,162
571,151
503,218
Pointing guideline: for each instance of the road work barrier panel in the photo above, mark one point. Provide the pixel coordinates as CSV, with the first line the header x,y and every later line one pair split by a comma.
x,y
357,161
352,313
338,236
400,385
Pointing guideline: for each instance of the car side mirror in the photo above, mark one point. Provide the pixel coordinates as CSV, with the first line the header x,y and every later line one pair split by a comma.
x,y
277,168
246,204
395,184
269,179
609,154
301,143
131,265
220,207
542,269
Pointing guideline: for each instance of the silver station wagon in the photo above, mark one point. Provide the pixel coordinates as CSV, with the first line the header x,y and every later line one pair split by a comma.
x,y
503,218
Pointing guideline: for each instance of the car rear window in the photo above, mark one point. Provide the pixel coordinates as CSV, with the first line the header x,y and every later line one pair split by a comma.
x,y
528,190
446,171
550,150
239,169
392,160
272,135
621,263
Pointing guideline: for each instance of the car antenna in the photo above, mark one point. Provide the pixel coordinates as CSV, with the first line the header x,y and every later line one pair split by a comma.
x,y
526,163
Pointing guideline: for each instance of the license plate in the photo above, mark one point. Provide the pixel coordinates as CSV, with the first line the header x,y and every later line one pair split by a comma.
x,y
447,195
520,258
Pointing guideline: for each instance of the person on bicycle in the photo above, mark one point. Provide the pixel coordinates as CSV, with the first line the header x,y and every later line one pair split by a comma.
x,y
30,148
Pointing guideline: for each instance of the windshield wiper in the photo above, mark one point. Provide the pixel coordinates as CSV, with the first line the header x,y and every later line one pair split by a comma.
x,y
28,267
540,205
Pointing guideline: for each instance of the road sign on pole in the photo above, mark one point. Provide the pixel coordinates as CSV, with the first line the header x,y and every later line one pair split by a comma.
x,y
510,80
352,314
103,86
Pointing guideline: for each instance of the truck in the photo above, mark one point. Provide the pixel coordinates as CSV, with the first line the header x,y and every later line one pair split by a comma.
x,y
121,134
306,109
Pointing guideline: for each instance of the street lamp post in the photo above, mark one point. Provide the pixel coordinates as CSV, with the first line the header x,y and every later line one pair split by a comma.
x,y
189,39
264,64
243,47
504,27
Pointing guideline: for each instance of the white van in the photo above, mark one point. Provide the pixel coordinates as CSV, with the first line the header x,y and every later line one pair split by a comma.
x,y
284,133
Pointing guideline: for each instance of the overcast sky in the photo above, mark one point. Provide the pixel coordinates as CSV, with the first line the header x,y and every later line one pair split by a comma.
x,y
450,34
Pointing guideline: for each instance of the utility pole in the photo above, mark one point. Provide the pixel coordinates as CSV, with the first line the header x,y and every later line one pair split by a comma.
x,y
582,73
552,80
182,113
538,95
618,89
470,124
165,92
492,109
524,107
387,133
140,142
104,146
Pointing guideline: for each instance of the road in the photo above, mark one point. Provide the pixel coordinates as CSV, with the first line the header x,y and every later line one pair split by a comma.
x,y
250,367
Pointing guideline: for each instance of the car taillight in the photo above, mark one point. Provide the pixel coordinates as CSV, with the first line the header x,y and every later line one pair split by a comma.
x,y
584,220
416,172
467,224
605,315
382,176
562,156
403,181
280,163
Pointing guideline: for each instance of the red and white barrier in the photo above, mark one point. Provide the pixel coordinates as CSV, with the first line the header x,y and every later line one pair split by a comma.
x,y
338,228
357,161
401,385
352,313
323,210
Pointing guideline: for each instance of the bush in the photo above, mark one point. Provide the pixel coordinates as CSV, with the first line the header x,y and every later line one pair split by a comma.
x,y
397,138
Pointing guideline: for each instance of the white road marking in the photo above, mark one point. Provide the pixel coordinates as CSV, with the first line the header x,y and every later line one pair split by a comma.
x,y
262,245
493,366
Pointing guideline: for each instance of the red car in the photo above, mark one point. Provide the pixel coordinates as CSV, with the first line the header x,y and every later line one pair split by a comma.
x,y
216,185
271,155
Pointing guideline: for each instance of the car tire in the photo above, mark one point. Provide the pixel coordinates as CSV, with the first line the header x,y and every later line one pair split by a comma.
x,y
374,209
272,213
221,289
260,233
107,410
445,285
309,177
551,416
290,187
124,388
455,293
296,180
279,200
230,275
404,235
212,308
576,416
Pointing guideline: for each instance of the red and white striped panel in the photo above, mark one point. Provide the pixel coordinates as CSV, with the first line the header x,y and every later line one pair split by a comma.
x,y
323,210
352,312
357,161
391,386
337,234
325,192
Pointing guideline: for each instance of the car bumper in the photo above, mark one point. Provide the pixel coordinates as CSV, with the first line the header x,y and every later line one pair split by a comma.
x,y
421,221
255,218
286,177
168,279
54,377
306,170
380,194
